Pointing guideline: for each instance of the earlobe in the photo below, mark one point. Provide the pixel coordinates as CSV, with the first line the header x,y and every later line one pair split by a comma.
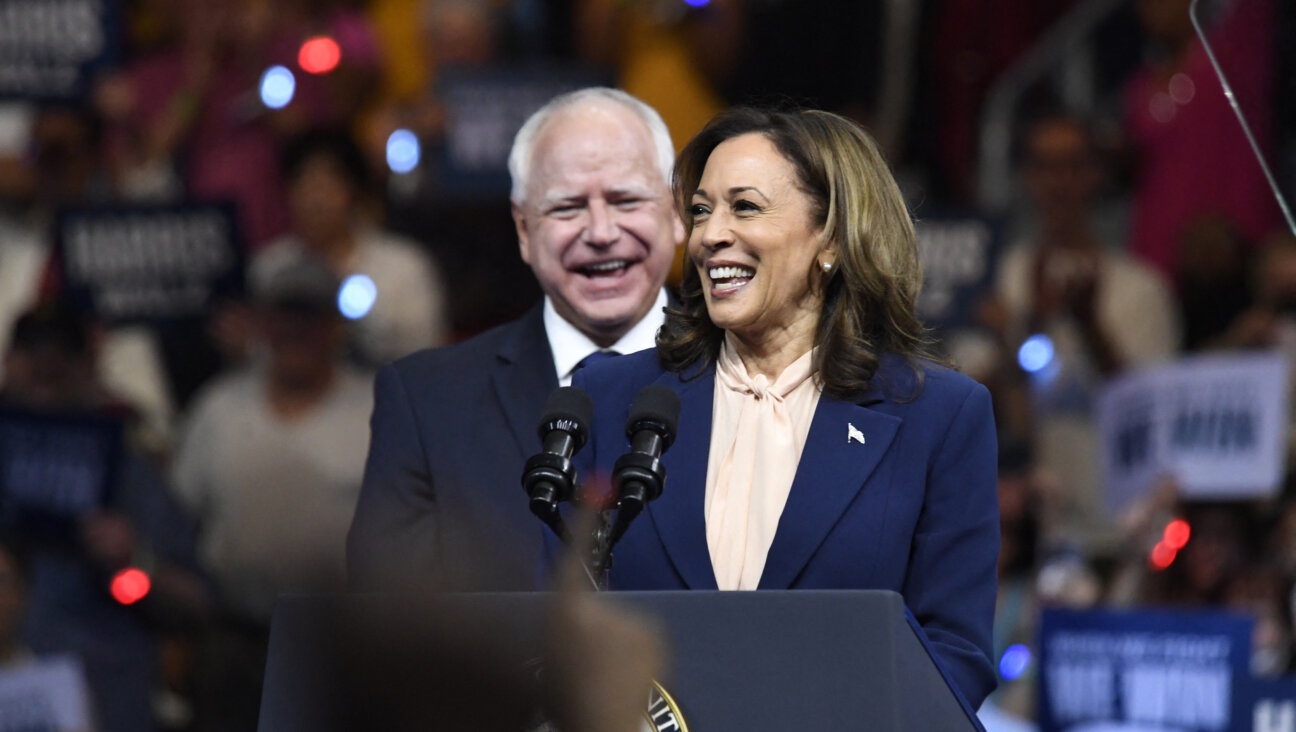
x,y
827,258
677,228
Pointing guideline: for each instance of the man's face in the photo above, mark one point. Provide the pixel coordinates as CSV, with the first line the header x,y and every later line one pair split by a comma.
x,y
597,225
1062,172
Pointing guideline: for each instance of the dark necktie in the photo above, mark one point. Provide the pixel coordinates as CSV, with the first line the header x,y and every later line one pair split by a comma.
x,y
594,358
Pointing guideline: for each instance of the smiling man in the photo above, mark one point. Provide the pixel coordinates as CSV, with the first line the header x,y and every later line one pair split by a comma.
x,y
442,505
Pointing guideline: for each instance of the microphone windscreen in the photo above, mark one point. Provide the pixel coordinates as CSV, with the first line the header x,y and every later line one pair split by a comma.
x,y
658,405
568,409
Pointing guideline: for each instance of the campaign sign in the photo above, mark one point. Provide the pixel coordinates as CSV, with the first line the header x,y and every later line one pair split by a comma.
x,y
1141,671
957,255
484,108
49,694
1215,424
50,49
55,469
150,264
1270,705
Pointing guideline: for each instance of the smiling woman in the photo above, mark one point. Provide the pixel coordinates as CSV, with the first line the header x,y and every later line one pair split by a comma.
x,y
855,266
816,448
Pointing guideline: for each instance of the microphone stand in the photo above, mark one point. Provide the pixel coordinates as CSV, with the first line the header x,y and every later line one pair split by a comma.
x,y
639,476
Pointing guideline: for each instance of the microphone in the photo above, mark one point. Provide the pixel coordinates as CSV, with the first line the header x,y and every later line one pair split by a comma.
x,y
639,474
549,475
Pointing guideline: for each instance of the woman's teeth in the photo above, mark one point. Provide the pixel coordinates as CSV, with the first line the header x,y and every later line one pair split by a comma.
x,y
730,278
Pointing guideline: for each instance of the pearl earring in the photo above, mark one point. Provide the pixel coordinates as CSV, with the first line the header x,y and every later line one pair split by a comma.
x,y
827,267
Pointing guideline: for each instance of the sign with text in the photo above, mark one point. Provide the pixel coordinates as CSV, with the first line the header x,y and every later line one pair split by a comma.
x,y
149,263
484,108
55,469
1215,424
957,255
50,49
1110,671
46,694
1270,705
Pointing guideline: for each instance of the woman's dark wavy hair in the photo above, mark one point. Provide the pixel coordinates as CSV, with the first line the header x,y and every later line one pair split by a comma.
x,y
869,297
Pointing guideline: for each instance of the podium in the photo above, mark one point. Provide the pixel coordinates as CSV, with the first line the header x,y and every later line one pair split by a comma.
x,y
752,661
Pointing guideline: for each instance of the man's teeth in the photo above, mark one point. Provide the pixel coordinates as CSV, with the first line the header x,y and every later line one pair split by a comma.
x,y
725,273
606,267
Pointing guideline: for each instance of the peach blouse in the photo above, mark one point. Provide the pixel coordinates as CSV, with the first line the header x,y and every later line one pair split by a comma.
x,y
758,430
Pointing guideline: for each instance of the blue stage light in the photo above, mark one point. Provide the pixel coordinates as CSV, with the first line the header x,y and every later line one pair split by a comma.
x,y
1014,661
403,151
1036,353
277,87
697,3
356,297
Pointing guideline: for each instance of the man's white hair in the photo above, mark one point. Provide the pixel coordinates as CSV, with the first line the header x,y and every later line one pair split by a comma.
x,y
519,162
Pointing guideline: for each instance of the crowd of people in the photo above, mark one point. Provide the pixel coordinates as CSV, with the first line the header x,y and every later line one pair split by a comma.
x,y
1140,233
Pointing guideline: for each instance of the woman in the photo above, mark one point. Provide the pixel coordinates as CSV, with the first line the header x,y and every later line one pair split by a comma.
x,y
815,449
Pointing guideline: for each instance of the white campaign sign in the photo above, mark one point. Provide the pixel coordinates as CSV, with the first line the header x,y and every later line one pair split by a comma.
x,y
1215,424
46,694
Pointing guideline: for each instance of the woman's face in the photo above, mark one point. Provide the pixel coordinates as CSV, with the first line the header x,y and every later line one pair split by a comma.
x,y
754,244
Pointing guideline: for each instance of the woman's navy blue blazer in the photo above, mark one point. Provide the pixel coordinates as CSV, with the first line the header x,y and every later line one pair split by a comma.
x,y
913,507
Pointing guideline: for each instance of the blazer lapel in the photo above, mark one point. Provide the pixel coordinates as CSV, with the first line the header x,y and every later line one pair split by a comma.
x,y
523,377
679,514
834,468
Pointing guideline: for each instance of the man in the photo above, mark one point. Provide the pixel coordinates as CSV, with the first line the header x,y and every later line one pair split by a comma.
x,y
442,504
269,467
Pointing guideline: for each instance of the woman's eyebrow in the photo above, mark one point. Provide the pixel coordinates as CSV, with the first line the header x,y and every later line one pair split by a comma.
x,y
737,190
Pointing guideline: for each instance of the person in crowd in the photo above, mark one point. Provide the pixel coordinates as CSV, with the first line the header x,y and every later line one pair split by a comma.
x,y
1102,312
1182,130
187,119
269,466
816,448
1213,264
1017,606
66,157
49,692
453,202
405,311
125,517
1270,319
442,503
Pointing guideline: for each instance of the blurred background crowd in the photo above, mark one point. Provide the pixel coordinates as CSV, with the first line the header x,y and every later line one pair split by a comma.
x,y
356,149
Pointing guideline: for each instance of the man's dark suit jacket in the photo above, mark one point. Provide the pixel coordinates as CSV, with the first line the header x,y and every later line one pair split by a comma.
x,y
442,504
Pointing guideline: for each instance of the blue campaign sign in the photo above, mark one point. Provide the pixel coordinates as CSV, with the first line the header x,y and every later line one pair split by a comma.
x,y
484,109
958,260
51,49
1144,670
150,264
1268,705
55,469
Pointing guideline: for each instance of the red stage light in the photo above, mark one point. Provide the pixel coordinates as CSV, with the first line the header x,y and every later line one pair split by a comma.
x,y
1176,534
1163,555
319,55
130,585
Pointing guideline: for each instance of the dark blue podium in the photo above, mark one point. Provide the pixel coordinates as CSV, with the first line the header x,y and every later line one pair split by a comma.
x,y
752,661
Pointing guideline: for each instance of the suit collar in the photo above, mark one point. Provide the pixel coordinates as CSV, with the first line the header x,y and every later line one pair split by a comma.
x,y
834,468
679,514
523,376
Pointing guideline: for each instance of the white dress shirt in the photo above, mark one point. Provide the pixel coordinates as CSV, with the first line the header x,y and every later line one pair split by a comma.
x,y
570,346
